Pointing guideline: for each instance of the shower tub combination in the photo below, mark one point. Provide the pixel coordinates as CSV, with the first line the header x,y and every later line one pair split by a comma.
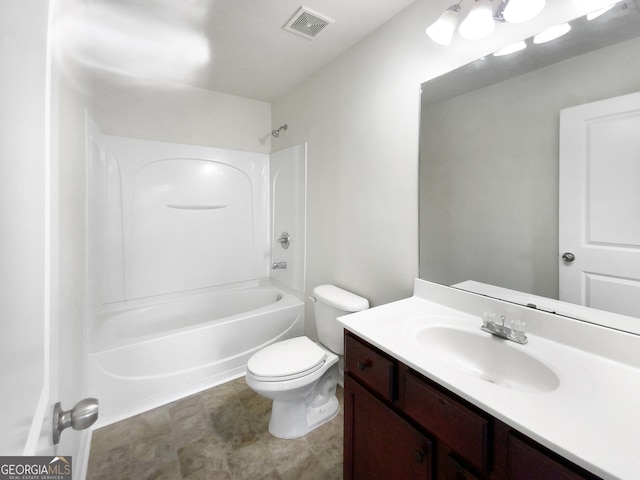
x,y
179,256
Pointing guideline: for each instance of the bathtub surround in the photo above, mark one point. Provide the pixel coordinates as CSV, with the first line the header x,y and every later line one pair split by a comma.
x,y
288,180
181,241
168,217
177,217
219,434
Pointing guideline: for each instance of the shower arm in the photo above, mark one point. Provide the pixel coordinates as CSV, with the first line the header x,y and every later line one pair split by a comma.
x,y
276,132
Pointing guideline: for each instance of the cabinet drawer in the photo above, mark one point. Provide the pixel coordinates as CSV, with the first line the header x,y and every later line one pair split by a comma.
x,y
465,431
370,367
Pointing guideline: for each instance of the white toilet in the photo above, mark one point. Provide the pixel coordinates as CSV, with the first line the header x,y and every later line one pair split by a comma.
x,y
299,375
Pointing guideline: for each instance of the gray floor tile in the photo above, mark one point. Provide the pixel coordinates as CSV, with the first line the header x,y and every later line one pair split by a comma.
x,y
218,434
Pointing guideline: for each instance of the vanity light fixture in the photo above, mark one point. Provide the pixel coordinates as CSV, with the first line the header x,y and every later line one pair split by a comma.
x,y
552,33
479,22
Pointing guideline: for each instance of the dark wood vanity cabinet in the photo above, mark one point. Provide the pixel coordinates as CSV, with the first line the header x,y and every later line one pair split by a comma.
x,y
383,445
401,425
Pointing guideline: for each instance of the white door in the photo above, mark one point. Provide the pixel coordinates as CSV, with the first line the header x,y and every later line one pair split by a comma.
x,y
600,205
25,260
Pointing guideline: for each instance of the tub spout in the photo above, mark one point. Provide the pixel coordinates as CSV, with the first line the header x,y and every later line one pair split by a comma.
x,y
278,265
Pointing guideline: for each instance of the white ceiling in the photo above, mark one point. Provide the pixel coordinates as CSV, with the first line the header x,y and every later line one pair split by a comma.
x,y
251,55
254,57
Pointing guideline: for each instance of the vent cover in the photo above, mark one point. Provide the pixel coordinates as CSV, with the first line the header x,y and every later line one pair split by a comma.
x,y
307,23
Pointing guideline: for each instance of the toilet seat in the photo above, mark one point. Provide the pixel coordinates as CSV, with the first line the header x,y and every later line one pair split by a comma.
x,y
287,360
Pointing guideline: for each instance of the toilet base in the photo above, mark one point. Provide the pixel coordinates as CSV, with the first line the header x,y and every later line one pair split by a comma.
x,y
296,419
293,418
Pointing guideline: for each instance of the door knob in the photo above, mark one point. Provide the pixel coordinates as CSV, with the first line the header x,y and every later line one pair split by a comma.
x,y
568,257
81,416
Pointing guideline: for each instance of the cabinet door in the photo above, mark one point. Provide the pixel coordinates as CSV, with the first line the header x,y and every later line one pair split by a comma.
x,y
455,471
380,445
528,463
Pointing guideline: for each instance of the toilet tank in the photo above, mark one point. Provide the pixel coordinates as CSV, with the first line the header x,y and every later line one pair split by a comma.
x,y
332,302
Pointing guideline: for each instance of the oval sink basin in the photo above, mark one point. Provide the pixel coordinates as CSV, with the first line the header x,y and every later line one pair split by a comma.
x,y
488,358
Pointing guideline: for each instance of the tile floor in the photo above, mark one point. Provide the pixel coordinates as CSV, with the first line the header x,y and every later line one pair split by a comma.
x,y
218,434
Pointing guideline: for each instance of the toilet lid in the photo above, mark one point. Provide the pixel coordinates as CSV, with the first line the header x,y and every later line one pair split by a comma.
x,y
288,359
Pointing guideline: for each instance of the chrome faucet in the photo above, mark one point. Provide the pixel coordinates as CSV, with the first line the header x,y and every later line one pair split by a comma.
x,y
278,265
514,331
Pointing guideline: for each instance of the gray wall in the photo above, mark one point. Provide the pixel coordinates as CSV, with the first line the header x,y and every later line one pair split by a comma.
x,y
489,171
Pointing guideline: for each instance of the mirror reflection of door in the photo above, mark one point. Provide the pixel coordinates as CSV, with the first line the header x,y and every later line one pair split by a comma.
x,y
600,204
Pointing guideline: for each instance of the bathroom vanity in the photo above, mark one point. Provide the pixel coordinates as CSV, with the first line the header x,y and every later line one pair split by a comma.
x,y
429,395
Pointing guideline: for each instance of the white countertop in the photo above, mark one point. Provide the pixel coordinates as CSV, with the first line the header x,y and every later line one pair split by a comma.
x,y
592,418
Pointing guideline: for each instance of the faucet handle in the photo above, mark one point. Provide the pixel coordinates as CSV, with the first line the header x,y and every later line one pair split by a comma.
x,y
489,318
518,330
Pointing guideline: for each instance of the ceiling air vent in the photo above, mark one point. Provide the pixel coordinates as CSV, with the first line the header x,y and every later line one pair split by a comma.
x,y
307,23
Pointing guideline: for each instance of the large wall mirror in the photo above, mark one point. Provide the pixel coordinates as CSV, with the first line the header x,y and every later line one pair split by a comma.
x,y
489,154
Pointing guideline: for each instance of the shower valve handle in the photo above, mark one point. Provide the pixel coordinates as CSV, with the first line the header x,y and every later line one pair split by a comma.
x,y
284,240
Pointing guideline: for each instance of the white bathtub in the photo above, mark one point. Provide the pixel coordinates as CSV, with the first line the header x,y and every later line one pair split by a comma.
x,y
146,355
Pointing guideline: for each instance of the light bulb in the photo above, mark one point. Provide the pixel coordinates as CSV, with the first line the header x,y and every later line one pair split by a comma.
x,y
518,11
479,22
441,31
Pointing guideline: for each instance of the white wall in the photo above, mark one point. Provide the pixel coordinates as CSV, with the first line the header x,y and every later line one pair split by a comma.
x,y
360,119
187,115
